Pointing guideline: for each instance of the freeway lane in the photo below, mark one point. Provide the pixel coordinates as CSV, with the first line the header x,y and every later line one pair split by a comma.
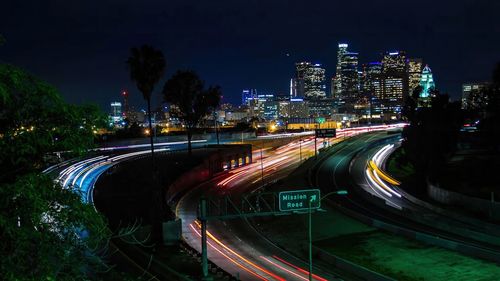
x,y
458,228
235,246
82,174
246,254
269,264
375,197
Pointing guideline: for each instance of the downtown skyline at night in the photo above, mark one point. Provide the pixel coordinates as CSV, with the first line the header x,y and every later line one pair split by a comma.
x,y
241,45
250,140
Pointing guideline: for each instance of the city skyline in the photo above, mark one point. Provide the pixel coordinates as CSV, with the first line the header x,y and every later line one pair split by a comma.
x,y
231,51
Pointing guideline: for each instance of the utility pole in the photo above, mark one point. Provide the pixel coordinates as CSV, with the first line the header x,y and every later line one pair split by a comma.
x,y
300,148
262,163
315,141
156,137
371,109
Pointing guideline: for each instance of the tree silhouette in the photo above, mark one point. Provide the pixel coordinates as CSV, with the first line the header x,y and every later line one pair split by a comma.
x,y
147,66
488,126
431,136
190,100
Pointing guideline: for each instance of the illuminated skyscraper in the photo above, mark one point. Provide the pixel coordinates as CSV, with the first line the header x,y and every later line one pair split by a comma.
x,y
300,73
263,106
310,80
414,73
372,86
333,94
248,94
372,79
293,88
338,73
346,84
116,112
474,95
427,84
395,83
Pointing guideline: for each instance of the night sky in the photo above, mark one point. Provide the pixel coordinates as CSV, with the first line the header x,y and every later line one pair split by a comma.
x,y
81,47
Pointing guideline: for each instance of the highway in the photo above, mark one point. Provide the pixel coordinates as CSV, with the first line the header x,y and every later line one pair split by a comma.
x,y
359,167
82,174
234,246
244,253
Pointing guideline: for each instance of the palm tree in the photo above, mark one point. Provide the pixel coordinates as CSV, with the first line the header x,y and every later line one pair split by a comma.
x,y
191,101
147,66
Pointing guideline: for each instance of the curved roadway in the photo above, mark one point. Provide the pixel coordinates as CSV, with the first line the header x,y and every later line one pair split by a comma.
x,y
233,245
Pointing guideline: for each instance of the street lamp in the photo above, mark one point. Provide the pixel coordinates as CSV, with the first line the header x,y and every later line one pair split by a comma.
x,y
215,126
339,192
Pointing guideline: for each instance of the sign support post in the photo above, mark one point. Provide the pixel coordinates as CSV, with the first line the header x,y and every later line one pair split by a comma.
x,y
323,133
310,241
204,258
315,147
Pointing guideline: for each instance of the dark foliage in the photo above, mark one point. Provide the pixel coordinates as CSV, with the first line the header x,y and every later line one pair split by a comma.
x,y
490,125
432,134
39,220
190,100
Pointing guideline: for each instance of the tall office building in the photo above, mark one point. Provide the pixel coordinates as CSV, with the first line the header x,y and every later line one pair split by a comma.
x,y
372,86
264,106
372,79
349,88
414,73
332,88
395,83
293,87
310,81
248,94
298,108
298,81
427,84
320,108
338,73
346,85
474,95
116,112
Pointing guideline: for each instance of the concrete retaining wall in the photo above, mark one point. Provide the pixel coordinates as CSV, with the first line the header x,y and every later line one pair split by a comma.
x,y
477,205
225,157
222,136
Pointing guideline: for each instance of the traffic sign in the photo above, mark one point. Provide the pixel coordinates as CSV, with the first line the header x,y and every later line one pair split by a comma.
x,y
320,120
326,133
299,199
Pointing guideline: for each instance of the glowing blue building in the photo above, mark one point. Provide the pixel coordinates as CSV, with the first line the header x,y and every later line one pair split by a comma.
x,y
427,83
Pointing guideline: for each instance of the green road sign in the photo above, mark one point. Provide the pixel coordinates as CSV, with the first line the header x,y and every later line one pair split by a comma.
x,y
325,133
299,199
320,120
